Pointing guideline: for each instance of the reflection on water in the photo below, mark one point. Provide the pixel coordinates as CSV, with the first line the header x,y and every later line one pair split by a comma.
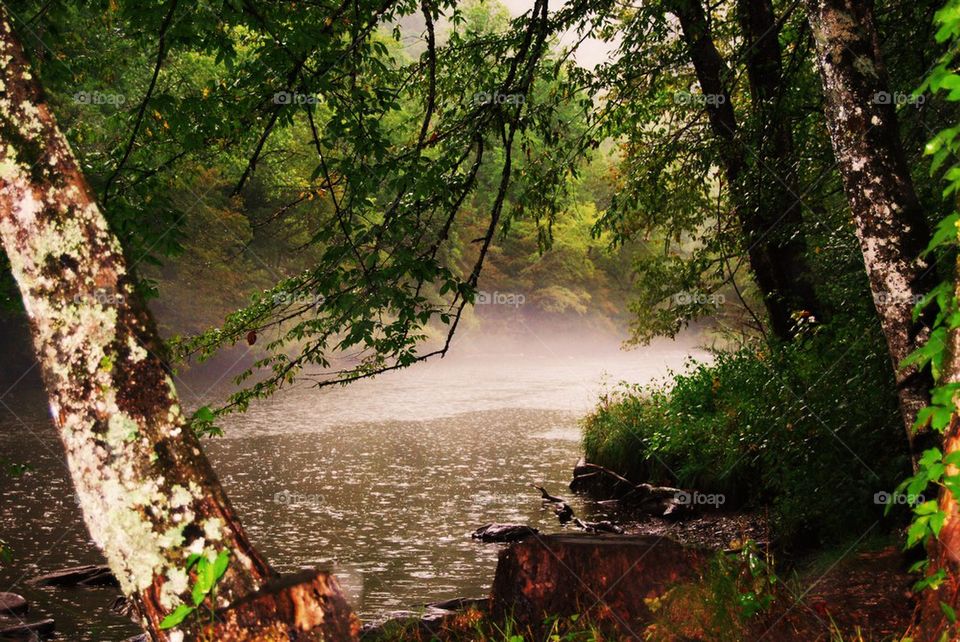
x,y
383,481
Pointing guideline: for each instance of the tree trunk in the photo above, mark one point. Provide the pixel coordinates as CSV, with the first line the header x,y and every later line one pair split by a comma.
x,y
888,218
148,494
773,182
760,192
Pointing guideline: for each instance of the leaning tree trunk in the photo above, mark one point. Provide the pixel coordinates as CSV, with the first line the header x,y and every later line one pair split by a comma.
x,y
769,217
888,218
148,494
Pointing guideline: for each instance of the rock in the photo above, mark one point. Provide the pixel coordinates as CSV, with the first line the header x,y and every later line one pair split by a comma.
x,y
504,532
424,624
16,629
598,527
599,481
11,603
564,512
661,501
86,576
610,576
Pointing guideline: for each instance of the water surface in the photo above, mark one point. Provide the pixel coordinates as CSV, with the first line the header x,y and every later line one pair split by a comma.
x,y
382,481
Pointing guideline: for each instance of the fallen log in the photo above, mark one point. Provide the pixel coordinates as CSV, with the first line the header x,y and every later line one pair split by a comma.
x,y
87,575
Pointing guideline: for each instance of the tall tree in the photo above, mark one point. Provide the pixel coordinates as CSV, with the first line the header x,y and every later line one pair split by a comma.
x,y
761,183
149,497
888,218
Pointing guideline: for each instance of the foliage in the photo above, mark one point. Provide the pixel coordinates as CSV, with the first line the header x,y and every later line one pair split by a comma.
x,y
736,588
313,151
473,625
937,469
803,427
208,573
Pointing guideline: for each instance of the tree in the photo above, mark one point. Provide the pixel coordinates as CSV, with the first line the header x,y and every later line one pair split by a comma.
x,y
777,259
149,497
887,214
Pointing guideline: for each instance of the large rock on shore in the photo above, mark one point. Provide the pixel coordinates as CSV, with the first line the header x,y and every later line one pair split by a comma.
x,y
606,577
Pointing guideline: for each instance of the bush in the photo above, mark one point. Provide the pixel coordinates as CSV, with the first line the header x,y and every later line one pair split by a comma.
x,y
810,429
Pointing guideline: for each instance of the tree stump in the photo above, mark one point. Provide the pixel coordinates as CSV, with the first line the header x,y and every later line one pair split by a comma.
x,y
604,577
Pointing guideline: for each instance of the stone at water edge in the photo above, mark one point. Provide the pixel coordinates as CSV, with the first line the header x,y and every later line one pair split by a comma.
x,y
504,532
11,603
567,574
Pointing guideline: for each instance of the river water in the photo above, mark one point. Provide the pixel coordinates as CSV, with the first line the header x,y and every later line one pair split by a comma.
x,y
382,481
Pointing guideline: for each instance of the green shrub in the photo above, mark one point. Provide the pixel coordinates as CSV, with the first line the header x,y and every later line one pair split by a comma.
x,y
810,429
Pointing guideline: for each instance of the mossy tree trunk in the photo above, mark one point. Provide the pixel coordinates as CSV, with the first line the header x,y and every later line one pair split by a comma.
x,y
888,218
149,496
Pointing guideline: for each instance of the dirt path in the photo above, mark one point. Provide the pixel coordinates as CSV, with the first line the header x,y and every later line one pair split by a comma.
x,y
867,594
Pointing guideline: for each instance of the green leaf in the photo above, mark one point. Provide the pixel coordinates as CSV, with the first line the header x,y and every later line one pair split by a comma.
x,y
945,234
949,612
204,414
179,615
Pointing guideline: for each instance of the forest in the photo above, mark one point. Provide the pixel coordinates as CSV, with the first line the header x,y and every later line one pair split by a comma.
x,y
469,320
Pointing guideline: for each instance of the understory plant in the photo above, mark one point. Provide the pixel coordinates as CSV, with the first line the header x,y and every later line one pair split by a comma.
x,y
803,428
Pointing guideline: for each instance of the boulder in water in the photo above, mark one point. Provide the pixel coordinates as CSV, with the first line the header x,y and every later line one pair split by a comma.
x,y
11,603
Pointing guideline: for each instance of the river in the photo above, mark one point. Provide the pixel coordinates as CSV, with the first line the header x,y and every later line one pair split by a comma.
x,y
382,481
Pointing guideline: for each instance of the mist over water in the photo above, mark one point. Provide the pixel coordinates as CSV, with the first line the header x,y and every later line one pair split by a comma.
x,y
381,481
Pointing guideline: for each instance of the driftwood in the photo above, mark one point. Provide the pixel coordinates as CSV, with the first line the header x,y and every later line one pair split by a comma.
x,y
84,576
504,532
660,501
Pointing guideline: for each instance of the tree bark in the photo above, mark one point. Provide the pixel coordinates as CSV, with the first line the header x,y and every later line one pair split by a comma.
x,y
761,189
148,494
887,214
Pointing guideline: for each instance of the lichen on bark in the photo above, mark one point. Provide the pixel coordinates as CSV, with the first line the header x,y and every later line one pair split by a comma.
x,y
148,495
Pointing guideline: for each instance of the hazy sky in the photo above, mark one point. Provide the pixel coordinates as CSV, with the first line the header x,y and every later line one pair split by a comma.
x,y
590,53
